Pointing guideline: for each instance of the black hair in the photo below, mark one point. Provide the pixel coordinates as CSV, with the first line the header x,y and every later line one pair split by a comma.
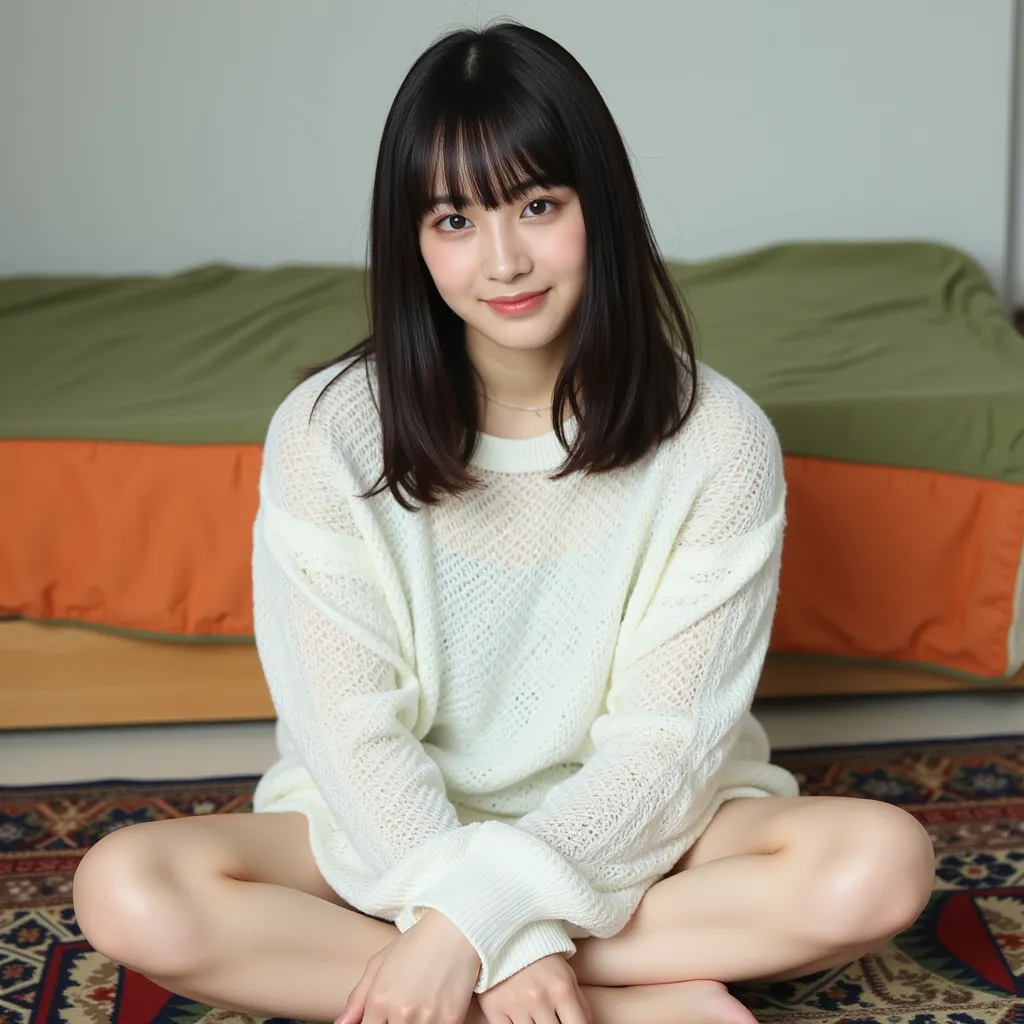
x,y
499,106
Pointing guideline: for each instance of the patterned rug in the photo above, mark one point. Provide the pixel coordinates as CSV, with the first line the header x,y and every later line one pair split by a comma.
x,y
961,963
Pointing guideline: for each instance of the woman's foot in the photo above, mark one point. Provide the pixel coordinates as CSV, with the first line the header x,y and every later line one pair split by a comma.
x,y
695,1002
680,1002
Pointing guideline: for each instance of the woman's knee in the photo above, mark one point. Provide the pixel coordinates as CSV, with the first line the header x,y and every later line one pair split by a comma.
x,y
134,904
873,873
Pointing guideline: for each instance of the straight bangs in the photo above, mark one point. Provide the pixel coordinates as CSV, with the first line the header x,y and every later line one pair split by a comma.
x,y
486,146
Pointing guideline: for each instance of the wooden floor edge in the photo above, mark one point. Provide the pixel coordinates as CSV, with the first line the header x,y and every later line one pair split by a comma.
x,y
814,677
63,677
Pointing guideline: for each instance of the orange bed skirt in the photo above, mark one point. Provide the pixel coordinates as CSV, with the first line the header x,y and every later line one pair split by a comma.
x,y
880,563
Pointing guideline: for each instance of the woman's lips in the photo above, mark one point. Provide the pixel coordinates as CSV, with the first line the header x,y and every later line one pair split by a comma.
x,y
525,302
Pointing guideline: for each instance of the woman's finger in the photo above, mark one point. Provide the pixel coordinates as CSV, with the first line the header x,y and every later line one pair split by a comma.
x,y
353,1011
585,1006
541,1016
355,1005
571,1009
356,1002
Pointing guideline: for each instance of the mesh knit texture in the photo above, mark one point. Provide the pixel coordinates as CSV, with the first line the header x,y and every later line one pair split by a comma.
x,y
522,706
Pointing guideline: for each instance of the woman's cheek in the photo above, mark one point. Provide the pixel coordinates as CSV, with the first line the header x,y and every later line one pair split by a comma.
x,y
569,249
451,266
438,265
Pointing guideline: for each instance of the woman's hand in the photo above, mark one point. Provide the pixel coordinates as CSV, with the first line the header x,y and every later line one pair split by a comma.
x,y
426,976
545,992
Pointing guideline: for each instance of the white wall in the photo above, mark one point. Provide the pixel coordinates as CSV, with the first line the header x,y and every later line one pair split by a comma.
x,y
151,137
1015,254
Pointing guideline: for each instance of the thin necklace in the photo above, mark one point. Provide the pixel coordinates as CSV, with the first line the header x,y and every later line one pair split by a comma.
x,y
538,409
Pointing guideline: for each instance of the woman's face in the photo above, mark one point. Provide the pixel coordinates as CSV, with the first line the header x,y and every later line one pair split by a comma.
x,y
533,251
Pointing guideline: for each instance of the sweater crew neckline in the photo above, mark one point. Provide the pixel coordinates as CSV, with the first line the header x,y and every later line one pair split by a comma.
x,y
522,454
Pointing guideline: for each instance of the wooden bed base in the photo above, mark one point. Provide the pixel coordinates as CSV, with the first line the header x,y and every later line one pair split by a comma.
x,y
57,676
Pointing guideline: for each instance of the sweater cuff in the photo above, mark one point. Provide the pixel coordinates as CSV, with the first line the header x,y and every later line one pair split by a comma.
x,y
531,943
498,912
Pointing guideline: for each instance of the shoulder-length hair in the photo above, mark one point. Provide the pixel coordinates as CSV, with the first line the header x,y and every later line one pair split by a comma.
x,y
483,112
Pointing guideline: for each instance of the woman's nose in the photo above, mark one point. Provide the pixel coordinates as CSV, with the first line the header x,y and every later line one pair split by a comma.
x,y
503,255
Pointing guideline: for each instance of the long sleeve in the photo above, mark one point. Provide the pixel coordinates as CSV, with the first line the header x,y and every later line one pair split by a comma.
x,y
682,683
334,664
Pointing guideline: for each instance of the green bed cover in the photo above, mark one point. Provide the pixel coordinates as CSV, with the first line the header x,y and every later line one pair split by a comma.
x,y
896,353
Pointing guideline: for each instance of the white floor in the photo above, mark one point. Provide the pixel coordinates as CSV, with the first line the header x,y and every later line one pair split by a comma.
x,y
203,751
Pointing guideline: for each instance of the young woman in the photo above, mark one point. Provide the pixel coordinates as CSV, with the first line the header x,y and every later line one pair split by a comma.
x,y
515,567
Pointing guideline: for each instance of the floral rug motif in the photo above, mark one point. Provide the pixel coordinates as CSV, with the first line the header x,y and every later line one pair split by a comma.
x,y
962,962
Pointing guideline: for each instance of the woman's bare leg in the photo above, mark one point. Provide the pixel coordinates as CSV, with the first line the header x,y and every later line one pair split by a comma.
x,y
775,888
230,910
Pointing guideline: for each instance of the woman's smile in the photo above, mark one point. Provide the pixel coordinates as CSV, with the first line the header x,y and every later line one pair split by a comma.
x,y
517,305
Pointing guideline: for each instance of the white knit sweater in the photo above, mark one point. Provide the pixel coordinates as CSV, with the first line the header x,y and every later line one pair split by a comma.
x,y
523,706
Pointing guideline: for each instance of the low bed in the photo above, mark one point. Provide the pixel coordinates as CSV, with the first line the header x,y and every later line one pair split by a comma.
x,y
132,411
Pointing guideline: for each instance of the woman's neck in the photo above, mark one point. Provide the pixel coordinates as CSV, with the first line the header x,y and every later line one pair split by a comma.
x,y
506,380
514,423
510,377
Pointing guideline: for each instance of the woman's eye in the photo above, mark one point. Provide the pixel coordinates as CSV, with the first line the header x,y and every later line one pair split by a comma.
x,y
538,207
455,221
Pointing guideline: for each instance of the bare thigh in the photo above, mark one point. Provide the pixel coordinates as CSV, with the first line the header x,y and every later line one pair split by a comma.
x,y
269,848
745,825
763,825
274,848
114,882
